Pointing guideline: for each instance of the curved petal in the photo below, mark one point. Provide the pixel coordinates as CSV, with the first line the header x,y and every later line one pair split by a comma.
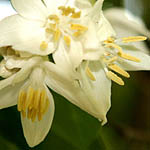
x,y
23,35
92,97
31,9
35,132
26,69
144,63
9,94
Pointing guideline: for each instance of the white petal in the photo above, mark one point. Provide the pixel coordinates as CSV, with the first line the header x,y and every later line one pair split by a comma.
x,y
90,39
125,24
32,9
96,10
23,35
144,63
105,29
82,4
54,4
98,92
35,132
92,97
9,95
68,57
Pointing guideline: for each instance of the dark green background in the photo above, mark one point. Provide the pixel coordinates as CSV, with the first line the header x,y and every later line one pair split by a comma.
x,y
128,126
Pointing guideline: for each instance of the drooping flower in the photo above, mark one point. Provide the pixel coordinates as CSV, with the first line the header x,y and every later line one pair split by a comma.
x,y
25,84
115,57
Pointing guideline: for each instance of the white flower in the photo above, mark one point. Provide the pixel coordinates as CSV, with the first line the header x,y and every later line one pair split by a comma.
x,y
115,57
126,24
26,85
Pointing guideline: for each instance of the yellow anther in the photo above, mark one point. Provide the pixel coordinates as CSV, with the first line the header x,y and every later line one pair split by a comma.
x,y
34,102
76,14
67,40
129,57
113,45
54,17
36,99
23,114
52,26
21,100
49,30
77,34
57,35
42,101
78,27
109,40
134,39
119,70
90,74
43,46
61,7
114,78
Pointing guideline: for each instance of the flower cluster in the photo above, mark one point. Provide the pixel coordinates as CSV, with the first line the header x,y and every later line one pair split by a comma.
x,y
86,57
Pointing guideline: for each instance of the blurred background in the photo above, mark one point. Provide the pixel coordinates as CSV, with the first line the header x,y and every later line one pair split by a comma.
x,y
128,126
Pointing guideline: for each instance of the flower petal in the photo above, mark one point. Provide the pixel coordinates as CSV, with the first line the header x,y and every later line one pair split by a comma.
x,y
23,35
31,9
105,29
125,24
92,97
144,63
35,132
68,57
9,94
83,4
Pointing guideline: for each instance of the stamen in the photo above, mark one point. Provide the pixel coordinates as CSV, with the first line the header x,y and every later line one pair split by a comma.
x,y
114,78
90,74
34,102
57,35
66,11
54,17
134,39
67,40
119,70
77,34
129,57
109,40
49,30
78,27
43,46
110,45
76,15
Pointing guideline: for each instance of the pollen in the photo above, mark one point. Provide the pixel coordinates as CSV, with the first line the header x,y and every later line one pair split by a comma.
x,y
133,39
66,10
78,27
57,35
43,46
114,78
77,34
67,40
54,18
119,70
33,104
129,57
90,74
76,15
